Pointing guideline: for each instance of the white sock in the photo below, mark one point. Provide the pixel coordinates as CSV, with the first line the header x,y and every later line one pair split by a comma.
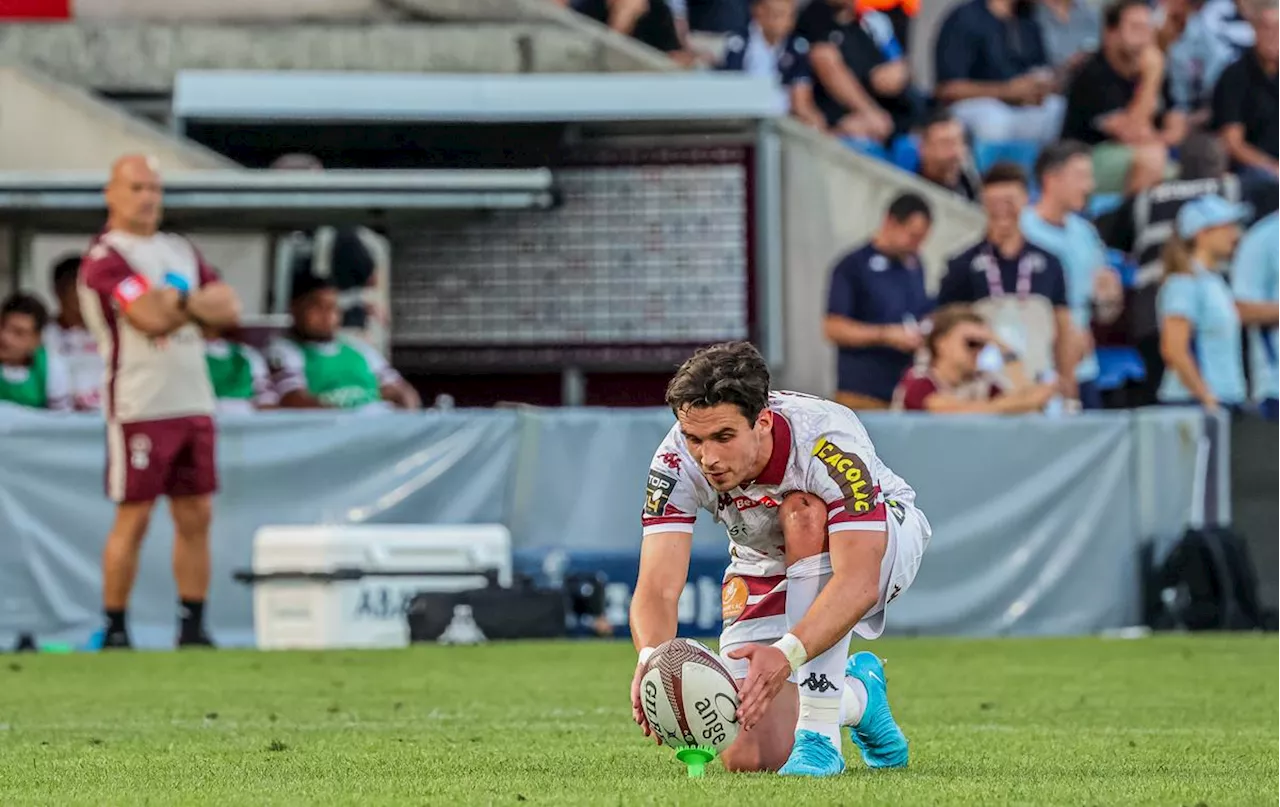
x,y
853,702
821,679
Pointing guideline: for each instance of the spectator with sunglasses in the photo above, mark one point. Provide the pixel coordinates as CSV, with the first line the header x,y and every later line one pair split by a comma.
x,y
954,382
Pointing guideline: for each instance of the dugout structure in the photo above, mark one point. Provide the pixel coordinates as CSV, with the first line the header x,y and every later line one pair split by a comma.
x,y
665,235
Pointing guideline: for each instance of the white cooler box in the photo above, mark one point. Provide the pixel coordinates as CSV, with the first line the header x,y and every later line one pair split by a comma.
x,y
300,605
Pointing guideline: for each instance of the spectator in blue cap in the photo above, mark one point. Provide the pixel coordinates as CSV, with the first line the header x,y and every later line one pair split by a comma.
x,y
1199,324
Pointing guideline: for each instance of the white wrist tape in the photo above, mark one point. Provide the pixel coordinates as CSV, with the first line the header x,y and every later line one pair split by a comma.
x,y
793,650
645,652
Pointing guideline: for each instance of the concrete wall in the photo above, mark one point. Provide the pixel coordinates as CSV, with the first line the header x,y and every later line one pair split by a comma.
x,y
47,126
295,10
138,45
143,57
833,199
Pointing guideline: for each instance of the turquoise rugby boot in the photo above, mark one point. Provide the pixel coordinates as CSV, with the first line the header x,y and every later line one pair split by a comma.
x,y
882,743
813,755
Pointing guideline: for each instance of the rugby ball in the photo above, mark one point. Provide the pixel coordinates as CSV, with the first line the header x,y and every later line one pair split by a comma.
x,y
689,697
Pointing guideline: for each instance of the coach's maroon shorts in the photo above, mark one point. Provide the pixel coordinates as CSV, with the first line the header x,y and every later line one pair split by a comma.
x,y
154,458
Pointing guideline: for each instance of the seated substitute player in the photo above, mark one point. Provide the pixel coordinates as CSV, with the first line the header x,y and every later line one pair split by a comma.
x,y
30,374
822,535
239,375
315,367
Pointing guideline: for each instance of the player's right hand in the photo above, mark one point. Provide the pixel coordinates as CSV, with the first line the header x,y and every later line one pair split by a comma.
x,y
637,711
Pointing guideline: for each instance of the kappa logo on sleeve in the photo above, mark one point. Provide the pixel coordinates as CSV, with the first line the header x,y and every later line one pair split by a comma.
x,y
849,473
657,493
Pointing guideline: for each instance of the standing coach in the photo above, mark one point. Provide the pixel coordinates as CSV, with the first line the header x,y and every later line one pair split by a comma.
x,y
145,295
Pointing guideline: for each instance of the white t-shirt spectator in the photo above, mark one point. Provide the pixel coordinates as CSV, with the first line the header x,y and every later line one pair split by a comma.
x,y
78,351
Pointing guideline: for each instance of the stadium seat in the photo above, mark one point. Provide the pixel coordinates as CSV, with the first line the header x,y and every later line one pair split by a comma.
x,y
1117,366
904,152
867,147
1101,204
1022,152
1126,268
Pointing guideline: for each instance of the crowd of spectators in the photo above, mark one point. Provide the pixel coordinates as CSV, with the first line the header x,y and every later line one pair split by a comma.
x,y
1167,108
1082,128
1115,114
1131,78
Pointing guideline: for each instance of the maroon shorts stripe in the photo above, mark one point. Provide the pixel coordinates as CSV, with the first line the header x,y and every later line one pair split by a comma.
x,y
762,585
772,604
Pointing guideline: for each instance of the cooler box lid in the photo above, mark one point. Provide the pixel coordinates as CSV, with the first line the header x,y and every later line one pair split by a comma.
x,y
401,549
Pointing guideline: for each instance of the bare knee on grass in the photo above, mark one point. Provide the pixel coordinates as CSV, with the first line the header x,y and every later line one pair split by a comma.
x,y
803,518
767,746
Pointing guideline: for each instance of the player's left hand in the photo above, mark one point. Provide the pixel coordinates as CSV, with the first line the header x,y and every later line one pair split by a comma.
x,y
767,671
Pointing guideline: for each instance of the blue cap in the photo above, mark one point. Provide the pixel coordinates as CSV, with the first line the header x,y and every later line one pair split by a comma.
x,y
1205,212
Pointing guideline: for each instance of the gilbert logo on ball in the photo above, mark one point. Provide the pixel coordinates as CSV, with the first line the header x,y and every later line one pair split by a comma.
x,y
689,697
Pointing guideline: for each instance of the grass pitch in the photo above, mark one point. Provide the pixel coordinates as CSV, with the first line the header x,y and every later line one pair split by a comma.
x,y
1163,721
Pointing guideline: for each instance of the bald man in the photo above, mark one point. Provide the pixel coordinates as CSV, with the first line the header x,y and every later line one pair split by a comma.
x,y
145,295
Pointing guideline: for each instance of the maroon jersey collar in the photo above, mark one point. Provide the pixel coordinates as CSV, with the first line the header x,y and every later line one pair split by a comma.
x,y
776,469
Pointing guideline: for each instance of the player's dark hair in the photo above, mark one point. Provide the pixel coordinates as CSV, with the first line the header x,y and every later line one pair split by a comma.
x,y
1005,173
305,282
25,304
1115,10
907,205
65,272
1055,155
937,117
945,320
732,372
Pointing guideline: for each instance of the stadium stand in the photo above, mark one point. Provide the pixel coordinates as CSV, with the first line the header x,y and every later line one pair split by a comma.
x,y
635,224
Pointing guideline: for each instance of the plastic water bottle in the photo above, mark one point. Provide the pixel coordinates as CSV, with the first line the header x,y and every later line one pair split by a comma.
x,y
554,566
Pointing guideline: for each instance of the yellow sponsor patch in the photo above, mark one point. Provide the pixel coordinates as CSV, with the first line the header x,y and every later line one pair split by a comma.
x,y
849,473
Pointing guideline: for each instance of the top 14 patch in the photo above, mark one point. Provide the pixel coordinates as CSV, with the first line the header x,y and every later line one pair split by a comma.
x,y
850,474
657,493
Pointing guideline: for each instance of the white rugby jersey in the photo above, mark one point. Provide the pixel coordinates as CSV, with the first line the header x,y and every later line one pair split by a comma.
x,y
819,447
86,370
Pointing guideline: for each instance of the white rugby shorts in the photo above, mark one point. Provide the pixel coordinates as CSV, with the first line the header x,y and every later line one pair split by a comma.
x,y
755,605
